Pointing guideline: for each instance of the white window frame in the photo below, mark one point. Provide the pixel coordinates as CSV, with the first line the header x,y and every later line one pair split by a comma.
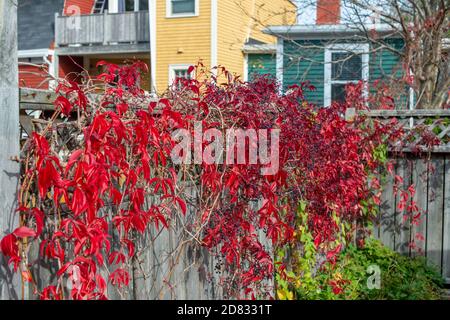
x,y
357,48
173,67
169,13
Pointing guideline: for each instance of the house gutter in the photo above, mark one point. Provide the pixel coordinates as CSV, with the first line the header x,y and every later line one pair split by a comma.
x,y
328,31
259,48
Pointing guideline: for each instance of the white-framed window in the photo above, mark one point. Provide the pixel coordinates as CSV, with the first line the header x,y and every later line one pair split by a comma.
x,y
179,71
116,6
344,64
182,8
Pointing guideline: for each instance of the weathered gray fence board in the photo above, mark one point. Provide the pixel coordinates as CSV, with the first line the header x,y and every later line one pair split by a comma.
x,y
435,211
431,178
172,265
446,229
387,213
420,181
9,139
402,226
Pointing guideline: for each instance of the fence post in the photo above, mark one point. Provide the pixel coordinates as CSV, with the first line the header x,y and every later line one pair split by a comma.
x,y
9,137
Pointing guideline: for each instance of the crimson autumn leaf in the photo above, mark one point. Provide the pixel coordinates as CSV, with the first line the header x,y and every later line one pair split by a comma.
x,y
79,202
42,147
47,176
24,232
121,108
50,293
39,218
64,105
10,248
72,159
120,277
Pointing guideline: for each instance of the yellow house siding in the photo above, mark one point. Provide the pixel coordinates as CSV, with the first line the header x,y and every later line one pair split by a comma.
x,y
181,40
271,13
239,20
232,30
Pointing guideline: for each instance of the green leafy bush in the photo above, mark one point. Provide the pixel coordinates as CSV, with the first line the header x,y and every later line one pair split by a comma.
x,y
354,274
401,277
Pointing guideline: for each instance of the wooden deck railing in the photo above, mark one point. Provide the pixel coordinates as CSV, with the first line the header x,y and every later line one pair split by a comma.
x,y
126,27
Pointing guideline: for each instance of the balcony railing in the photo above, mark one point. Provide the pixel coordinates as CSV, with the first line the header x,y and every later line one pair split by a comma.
x,y
103,29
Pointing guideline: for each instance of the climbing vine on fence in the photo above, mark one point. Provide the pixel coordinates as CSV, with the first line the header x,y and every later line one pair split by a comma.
x,y
87,179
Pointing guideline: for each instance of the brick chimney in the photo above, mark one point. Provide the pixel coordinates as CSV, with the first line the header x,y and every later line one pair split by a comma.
x,y
328,12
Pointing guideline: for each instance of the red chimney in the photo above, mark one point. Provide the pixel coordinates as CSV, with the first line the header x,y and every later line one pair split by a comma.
x,y
328,11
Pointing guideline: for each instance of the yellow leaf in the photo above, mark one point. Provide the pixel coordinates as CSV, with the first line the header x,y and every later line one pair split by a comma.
x,y
62,200
122,180
290,295
281,295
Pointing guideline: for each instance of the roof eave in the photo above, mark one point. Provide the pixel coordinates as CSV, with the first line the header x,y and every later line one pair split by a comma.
x,y
259,48
326,31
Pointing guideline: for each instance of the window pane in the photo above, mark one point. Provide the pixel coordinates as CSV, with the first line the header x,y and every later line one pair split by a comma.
x,y
182,73
346,66
129,5
338,92
143,5
183,6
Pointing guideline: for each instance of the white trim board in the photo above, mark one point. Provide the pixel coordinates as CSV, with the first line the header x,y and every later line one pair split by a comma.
x,y
245,67
34,53
259,48
152,26
358,48
177,66
280,61
214,22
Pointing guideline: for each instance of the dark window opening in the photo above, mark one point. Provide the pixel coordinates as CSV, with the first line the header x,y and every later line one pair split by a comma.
x,y
346,66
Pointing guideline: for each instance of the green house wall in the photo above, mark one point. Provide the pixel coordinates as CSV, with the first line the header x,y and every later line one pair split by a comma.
x,y
303,60
262,64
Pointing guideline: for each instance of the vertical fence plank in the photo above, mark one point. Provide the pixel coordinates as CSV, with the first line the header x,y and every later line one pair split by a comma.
x,y
387,212
376,227
435,211
402,222
420,181
9,138
166,270
446,241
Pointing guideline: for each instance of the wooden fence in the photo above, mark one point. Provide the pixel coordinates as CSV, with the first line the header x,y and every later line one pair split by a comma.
x,y
172,267
430,174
